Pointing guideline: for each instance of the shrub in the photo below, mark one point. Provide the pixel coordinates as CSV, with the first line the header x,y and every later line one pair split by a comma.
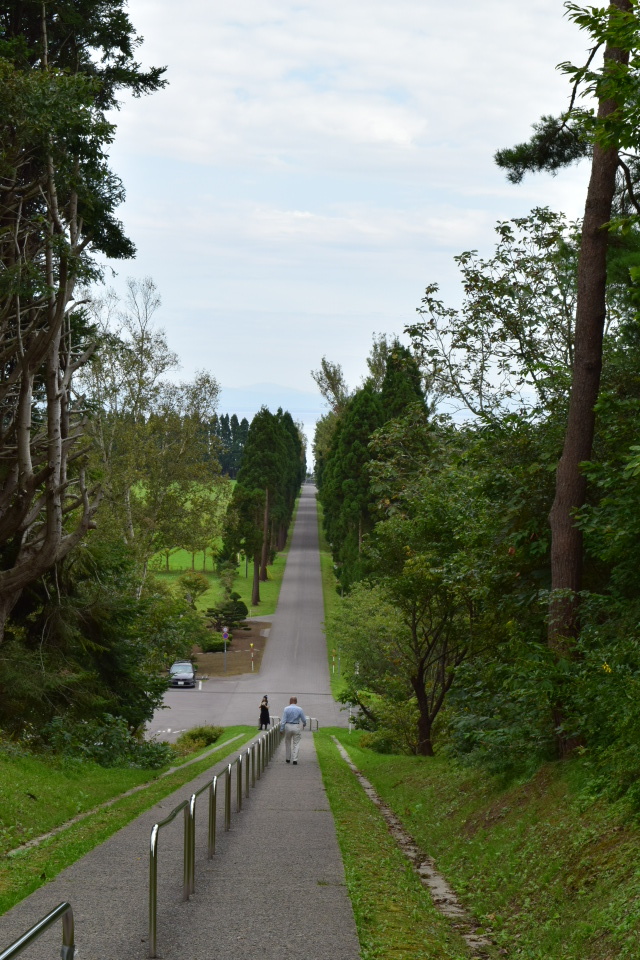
x,y
230,613
107,741
214,643
198,737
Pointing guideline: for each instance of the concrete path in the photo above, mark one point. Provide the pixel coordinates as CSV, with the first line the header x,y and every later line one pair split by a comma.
x,y
295,659
275,889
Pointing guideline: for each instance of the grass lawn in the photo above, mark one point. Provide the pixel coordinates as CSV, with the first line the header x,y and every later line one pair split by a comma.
x,y
552,873
394,914
37,795
269,590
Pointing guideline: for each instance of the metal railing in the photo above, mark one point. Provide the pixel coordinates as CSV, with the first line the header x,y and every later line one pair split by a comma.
x,y
256,757
68,946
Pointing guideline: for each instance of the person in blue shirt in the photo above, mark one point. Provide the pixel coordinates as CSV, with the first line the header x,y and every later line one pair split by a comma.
x,y
292,723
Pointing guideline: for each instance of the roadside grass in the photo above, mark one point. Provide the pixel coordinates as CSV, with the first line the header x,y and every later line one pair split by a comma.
x,y
552,872
332,601
395,917
66,790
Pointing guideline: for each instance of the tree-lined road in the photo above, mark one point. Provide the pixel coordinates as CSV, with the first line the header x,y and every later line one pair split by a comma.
x,y
295,659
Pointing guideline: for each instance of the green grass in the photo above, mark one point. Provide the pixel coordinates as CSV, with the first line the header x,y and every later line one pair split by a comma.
x,y
269,590
394,914
72,790
552,873
332,601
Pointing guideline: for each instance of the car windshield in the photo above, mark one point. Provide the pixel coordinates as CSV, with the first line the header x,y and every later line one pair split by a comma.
x,y
181,668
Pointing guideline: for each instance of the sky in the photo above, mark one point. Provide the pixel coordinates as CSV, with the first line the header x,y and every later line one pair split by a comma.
x,y
312,166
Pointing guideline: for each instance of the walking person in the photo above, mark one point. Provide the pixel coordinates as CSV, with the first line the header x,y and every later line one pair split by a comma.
x,y
292,723
265,719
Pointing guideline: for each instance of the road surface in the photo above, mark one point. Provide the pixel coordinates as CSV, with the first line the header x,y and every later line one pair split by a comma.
x,y
295,659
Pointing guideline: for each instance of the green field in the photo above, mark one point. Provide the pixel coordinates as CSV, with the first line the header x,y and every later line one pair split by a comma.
x,y
180,562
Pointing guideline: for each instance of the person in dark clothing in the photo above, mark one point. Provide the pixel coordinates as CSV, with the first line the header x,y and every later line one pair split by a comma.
x,y
265,719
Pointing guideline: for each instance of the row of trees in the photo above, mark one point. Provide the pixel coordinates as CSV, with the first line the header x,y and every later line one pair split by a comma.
x,y
273,467
463,586
60,75
103,460
231,436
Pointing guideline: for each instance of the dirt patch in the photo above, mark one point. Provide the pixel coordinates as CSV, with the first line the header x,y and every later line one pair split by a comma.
x,y
238,658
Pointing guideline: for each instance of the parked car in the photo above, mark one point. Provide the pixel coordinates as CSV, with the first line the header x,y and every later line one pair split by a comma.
x,y
182,673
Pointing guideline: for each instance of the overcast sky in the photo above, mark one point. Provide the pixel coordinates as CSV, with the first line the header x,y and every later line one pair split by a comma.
x,y
312,166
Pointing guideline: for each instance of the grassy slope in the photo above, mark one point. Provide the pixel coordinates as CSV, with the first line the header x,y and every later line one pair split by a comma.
x,y
553,873
395,917
61,792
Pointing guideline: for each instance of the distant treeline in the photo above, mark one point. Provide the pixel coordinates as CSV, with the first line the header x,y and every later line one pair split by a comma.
x,y
231,435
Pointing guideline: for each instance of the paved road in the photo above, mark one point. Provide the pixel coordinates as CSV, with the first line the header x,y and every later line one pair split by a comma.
x,y
295,659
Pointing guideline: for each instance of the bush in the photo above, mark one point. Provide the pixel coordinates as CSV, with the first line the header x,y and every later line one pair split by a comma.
x,y
230,613
197,738
214,643
107,741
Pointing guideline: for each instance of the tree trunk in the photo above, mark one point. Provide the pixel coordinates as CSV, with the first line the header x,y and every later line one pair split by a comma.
x,y
265,537
566,539
255,591
425,746
425,716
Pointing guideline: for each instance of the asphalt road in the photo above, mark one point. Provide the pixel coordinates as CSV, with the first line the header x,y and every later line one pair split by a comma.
x,y
294,662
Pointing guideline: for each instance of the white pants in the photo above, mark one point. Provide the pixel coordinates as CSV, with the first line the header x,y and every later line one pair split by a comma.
x,y
292,738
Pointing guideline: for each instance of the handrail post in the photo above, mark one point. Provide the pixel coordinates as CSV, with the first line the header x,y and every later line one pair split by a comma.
x,y
239,783
185,854
253,764
227,799
68,938
35,932
192,844
153,890
213,805
258,747
246,772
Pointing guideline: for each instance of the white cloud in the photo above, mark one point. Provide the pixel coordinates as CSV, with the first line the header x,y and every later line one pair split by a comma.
x,y
312,166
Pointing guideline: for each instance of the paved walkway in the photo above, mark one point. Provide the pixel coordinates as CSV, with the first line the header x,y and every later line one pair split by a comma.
x,y
275,889
295,658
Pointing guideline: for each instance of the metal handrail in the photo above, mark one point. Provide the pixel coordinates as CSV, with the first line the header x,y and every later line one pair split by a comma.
x,y
259,753
68,945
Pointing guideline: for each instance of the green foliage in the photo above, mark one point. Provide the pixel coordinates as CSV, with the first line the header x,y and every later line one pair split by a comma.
x,y
273,467
192,585
107,741
85,642
215,643
197,738
230,613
